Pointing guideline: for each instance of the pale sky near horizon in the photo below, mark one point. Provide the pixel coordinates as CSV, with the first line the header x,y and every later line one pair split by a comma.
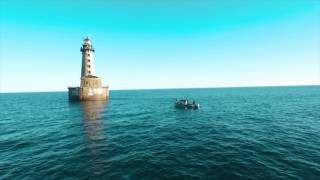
x,y
160,44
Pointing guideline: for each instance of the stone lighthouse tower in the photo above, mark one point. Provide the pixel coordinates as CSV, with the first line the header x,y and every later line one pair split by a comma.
x,y
87,58
90,85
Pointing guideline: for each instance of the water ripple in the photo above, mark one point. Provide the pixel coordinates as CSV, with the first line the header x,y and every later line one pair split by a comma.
x,y
244,133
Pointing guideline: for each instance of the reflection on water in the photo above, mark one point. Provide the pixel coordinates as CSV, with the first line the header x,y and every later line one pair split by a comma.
x,y
93,109
95,141
92,118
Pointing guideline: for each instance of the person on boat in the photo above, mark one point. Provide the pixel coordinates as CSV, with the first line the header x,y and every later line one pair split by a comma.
x,y
186,102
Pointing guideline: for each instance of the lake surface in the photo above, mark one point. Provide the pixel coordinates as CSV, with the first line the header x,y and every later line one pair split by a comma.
x,y
239,133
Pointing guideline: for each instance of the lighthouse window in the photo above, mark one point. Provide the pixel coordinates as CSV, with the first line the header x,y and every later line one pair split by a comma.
x,y
86,82
89,66
89,72
88,55
88,60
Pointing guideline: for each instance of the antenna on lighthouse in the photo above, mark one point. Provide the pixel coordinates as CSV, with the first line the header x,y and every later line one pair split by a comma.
x,y
88,36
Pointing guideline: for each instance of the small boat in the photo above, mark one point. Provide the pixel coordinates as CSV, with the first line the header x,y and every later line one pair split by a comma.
x,y
184,104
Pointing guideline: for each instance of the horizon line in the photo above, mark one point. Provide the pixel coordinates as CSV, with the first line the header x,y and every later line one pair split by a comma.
x,y
178,88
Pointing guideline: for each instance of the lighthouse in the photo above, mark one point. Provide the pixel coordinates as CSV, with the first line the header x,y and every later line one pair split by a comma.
x,y
87,58
90,85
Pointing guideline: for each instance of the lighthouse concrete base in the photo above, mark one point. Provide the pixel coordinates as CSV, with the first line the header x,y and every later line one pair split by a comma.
x,y
88,93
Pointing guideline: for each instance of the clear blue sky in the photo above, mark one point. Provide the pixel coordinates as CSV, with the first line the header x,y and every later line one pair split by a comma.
x,y
160,44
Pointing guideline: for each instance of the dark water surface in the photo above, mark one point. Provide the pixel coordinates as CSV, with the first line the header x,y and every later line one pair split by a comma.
x,y
239,133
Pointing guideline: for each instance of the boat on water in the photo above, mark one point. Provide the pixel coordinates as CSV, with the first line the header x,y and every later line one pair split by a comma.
x,y
185,104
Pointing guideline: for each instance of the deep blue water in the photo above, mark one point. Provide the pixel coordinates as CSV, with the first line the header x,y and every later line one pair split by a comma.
x,y
239,133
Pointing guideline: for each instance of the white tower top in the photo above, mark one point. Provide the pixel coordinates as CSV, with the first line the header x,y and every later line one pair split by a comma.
x,y
87,58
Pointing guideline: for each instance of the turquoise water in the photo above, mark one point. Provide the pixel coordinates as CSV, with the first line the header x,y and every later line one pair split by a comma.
x,y
239,133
